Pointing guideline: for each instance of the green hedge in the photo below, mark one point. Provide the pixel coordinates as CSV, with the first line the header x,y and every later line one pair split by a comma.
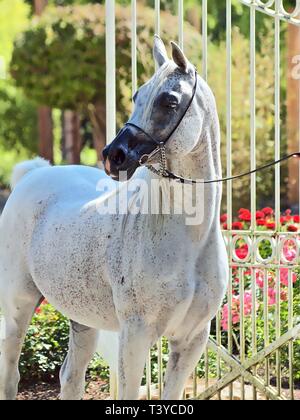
x,y
46,346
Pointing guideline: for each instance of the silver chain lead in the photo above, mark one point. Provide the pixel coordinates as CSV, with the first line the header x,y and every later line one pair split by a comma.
x,y
162,171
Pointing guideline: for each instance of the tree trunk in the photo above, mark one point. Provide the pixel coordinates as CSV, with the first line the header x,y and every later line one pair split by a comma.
x,y
39,6
293,99
72,138
98,120
45,133
44,113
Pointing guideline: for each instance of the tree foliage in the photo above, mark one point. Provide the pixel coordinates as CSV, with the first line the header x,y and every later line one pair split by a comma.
x,y
13,19
60,61
18,127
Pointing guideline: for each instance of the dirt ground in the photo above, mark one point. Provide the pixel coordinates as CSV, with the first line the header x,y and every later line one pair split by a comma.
x,y
96,390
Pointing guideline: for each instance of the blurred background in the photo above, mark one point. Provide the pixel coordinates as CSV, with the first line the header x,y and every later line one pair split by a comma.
x,y
52,82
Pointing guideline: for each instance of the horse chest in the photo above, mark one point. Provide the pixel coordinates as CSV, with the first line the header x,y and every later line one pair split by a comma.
x,y
152,281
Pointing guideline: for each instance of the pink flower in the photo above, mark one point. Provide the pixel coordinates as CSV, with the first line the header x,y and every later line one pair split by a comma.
x,y
284,276
289,251
272,296
260,279
236,307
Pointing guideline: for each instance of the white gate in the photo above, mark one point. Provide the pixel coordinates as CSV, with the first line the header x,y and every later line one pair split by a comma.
x,y
255,337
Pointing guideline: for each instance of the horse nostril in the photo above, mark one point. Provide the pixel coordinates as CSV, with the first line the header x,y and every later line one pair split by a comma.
x,y
118,156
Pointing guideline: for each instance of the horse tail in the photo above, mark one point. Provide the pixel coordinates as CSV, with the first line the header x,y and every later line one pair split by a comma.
x,y
23,168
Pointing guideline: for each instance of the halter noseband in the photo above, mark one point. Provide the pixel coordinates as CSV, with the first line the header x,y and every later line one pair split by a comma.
x,y
161,150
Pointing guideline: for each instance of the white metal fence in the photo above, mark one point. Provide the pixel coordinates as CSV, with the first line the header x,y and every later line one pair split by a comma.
x,y
254,357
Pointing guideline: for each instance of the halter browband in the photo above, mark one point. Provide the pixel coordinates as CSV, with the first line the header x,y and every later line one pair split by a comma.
x,y
161,150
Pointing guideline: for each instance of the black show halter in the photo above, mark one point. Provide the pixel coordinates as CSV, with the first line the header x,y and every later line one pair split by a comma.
x,y
161,150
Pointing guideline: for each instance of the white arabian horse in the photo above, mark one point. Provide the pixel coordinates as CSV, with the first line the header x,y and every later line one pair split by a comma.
x,y
142,276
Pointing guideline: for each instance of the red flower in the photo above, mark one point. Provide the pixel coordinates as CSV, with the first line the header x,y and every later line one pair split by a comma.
x,y
224,218
260,215
261,222
288,216
245,216
225,226
296,219
283,220
292,228
237,226
242,210
268,211
242,252
271,225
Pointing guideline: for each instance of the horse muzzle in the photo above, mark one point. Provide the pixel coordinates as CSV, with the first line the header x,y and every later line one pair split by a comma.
x,y
122,157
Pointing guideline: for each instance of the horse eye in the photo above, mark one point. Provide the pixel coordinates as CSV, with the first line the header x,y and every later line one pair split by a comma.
x,y
170,102
172,105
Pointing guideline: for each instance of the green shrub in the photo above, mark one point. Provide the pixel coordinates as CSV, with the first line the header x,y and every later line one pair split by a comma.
x,y
18,128
46,346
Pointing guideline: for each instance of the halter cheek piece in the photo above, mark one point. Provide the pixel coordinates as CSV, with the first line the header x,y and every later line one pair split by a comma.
x,y
161,150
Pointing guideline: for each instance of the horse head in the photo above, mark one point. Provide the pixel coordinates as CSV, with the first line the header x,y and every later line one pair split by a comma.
x,y
168,110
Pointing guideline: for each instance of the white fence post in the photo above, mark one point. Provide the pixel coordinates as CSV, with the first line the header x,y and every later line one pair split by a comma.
x,y
110,71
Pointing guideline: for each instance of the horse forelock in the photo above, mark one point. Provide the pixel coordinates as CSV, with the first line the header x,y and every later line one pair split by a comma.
x,y
154,85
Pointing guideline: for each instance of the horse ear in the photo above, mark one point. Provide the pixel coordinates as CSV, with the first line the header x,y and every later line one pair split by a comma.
x,y
178,56
159,51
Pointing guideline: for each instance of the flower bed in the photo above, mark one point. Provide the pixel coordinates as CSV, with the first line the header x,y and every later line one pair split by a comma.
x,y
269,292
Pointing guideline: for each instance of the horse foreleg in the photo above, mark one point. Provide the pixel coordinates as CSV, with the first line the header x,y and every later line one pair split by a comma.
x,y
183,358
14,325
82,347
135,340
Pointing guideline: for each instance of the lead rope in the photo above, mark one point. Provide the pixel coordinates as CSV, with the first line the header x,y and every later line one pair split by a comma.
x,y
163,171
